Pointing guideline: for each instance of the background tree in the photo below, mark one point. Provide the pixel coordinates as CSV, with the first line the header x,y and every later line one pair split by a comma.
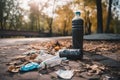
x,y
2,13
99,17
87,8
55,16
10,15
34,15
115,16
50,19
109,17
64,19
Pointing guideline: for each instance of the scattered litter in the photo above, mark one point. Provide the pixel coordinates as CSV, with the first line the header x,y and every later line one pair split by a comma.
x,y
51,62
71,53
30,52
47,57
65,74
43,56
29,66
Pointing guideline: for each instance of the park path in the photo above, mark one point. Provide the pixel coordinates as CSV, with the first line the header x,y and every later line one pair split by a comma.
x,y
17,41
20,41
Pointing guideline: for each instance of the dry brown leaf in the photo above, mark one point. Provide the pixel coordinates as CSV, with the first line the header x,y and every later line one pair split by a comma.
x,y
19,57
57,48
89,74
13,68
33,56
94,67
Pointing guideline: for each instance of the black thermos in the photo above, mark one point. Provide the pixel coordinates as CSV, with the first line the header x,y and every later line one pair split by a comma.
x,y
77,32
77,40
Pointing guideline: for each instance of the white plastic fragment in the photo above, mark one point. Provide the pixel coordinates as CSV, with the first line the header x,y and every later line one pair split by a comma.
x,y
65,74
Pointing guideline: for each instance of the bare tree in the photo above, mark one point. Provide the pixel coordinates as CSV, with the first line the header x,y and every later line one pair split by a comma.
x,y
99,17
2,8
109,17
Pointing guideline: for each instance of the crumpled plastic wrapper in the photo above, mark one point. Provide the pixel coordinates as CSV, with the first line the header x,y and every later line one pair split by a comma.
x,y
65,74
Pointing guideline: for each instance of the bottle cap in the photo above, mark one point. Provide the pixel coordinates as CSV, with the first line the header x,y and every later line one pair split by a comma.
x,y
77,13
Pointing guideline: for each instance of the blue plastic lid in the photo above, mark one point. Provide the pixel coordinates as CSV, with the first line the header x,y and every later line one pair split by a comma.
x,y
77,13
30,66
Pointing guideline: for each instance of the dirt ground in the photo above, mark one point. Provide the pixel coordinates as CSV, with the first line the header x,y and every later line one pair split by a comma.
x,y
101,61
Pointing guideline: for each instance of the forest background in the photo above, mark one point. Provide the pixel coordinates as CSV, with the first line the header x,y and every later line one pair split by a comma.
x,y
55,16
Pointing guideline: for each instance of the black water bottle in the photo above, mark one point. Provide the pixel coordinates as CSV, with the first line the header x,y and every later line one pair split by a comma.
x,y
77,40
77,32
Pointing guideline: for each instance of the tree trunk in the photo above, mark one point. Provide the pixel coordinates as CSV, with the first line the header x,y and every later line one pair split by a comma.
x,y
108,17
64,29
39,23
50,25
1,15
99,17
1,26
89,26
51,22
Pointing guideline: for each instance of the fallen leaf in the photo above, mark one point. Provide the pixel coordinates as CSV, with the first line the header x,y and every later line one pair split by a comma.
x,y
33,56
19,57
94,67
14,69
57,48
89,74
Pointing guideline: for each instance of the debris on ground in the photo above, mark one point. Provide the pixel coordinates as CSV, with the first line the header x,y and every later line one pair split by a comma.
x,y
65,74
74,54
51,62
44,55
30,66
30,52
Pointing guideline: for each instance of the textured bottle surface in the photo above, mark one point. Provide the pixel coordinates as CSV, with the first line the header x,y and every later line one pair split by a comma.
x,y
77,34
54,61
71,53
77,31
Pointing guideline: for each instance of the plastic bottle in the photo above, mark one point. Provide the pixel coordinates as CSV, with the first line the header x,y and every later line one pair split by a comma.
x,y
77,31
43,56
75,54
51,62
77,35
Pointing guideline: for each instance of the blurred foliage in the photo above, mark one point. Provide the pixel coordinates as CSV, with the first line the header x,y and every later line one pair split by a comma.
x,y
62,23
12,16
